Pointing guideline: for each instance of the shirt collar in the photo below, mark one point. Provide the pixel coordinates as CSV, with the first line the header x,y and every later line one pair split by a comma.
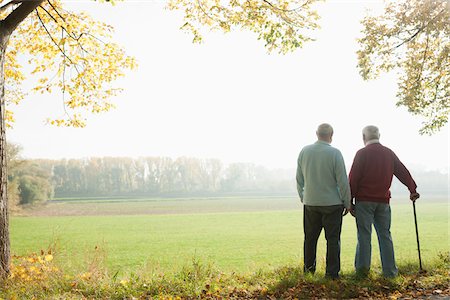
x,y
374,141
323,142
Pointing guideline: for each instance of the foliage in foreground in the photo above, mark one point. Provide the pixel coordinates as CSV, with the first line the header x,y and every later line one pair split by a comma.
x,y
413,38
37,276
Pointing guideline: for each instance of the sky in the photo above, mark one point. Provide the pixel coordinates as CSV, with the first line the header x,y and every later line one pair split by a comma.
x,y
229,99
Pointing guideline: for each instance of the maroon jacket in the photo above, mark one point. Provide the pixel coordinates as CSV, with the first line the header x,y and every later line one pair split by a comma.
x,y
372,171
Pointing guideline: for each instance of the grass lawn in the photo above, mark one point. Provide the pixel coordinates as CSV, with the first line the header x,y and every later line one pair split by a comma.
x,y
242,241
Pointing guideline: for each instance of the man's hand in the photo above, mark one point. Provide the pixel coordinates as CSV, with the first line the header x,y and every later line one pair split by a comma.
x,y
414,196
350,210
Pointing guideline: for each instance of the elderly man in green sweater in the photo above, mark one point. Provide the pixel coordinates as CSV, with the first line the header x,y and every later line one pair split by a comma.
x,y
324,190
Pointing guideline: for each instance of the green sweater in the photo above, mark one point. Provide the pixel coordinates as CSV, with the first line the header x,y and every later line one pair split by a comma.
x,y
321,176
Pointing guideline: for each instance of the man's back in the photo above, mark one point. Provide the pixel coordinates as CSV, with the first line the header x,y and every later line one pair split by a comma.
x,y
372,172
320,172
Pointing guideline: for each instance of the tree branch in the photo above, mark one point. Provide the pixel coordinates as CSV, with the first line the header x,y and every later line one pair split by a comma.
x,y
57,12
53,40
203,10
13,20
288,15
417,32
288,10
59,48
424,59
64,81
408,39
56,21
5,7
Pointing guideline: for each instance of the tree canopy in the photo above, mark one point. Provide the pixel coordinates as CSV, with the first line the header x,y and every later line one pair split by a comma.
x,y
413,38
283,25
73,53
68,52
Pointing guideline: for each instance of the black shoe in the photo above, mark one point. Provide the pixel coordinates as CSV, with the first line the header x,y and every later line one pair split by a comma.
x,y
332,277
362,273
310,270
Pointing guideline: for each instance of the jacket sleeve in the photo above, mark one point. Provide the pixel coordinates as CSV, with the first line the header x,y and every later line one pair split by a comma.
x,y
299,177
342,180
402,173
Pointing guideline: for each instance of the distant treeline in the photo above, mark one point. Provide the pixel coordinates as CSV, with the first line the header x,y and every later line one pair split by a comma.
x,y
39,180
118,176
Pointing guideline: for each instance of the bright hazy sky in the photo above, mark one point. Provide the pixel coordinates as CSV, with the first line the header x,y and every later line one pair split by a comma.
x,y
229,99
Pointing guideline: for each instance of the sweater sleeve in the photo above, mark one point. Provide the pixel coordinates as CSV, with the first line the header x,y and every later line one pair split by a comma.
x,y
402,173
342,180
300,178
356,172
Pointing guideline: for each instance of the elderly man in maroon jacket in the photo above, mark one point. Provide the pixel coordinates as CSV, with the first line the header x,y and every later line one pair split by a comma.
x,y
370,179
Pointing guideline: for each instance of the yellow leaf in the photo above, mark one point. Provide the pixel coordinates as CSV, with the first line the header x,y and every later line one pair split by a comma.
x,y
48,257
123,282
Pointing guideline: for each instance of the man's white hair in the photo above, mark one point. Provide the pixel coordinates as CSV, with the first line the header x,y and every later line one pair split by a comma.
x,y
371,132
324,130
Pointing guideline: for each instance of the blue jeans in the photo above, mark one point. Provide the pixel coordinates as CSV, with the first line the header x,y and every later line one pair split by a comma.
x,y
378,214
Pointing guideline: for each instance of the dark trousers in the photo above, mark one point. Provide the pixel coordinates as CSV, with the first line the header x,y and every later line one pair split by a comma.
x,y
314,219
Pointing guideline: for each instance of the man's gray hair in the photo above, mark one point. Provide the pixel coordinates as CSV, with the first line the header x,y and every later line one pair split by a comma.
x,y
324,130
371,132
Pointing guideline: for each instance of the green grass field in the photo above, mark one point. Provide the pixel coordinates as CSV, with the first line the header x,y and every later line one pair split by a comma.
x,y
174,232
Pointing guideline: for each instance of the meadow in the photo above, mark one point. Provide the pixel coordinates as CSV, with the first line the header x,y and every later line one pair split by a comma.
x,y
235,234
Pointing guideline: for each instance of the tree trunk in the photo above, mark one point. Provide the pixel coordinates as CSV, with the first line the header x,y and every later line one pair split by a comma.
x,y
7,26
4,218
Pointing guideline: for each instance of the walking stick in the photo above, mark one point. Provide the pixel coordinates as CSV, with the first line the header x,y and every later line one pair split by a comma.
x,y
417,237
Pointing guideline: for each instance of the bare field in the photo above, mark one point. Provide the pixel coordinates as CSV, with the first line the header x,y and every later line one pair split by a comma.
x,y
155,206
165,206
